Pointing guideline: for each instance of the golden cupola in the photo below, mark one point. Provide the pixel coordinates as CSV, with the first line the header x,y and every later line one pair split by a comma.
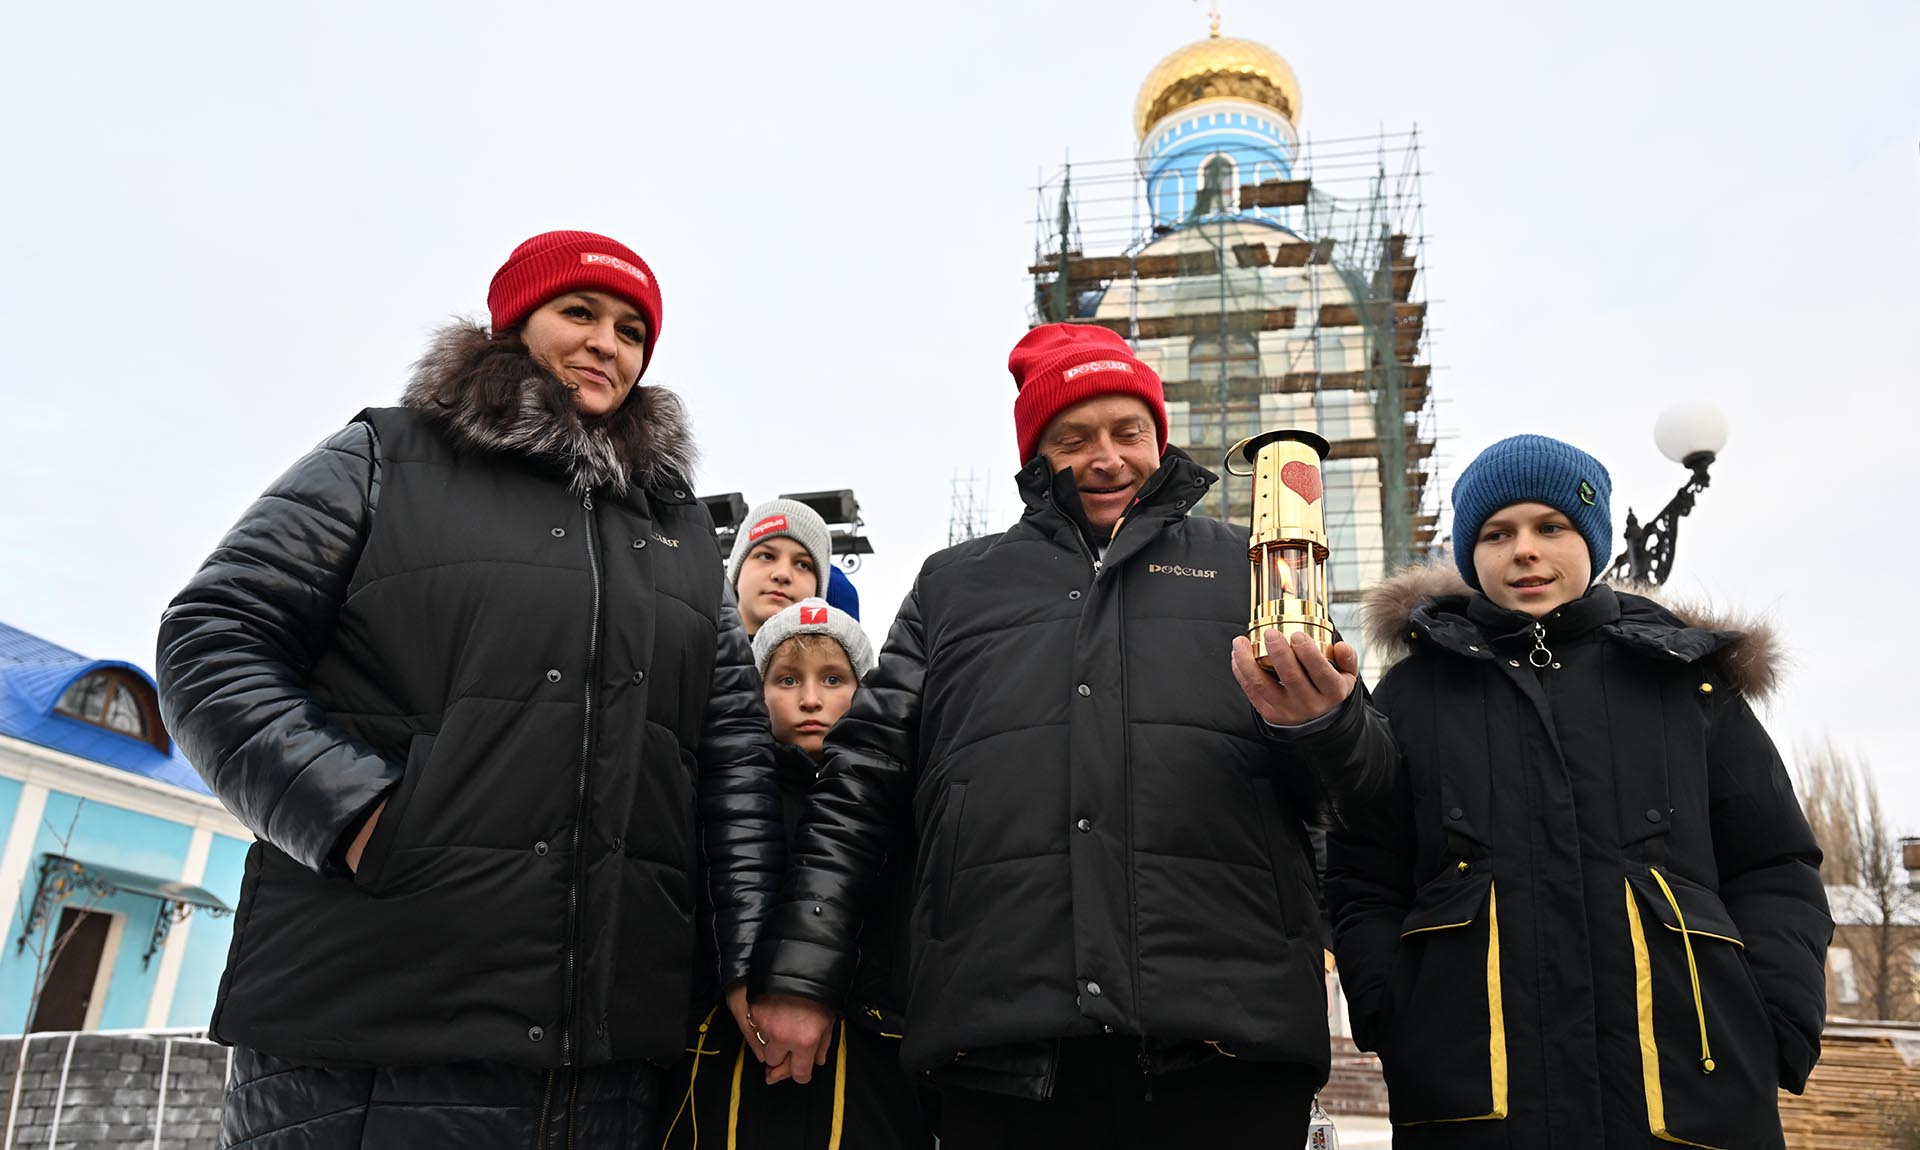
x,y
1217,68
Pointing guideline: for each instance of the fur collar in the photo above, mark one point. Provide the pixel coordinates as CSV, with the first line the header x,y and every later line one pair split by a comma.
x,y
492,396
1750,659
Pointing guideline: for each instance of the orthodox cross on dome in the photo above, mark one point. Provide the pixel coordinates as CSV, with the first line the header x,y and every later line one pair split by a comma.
x,y
1213,19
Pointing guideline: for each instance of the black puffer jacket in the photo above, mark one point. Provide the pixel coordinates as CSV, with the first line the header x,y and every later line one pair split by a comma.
x,y
509,624
1109,841
1593,916
877,999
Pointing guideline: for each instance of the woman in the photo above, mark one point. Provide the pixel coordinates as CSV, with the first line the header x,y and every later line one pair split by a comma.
x,y
465,671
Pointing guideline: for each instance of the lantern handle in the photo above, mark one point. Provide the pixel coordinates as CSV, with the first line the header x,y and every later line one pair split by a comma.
x,y
1226,461
1249,448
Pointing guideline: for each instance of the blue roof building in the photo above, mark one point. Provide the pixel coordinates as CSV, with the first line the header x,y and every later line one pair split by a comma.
x,y
35,675
118,870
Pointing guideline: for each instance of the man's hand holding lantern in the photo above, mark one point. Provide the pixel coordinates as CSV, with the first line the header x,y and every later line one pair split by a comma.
x,y
1304,683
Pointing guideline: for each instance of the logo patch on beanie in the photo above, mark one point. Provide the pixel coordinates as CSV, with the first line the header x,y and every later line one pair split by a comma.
x,y
813,616
767,526
1587,493
616,263
1097,365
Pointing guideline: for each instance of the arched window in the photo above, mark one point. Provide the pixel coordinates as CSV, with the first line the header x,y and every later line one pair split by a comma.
x,y
1219,193
1167,196
1238,352
117,700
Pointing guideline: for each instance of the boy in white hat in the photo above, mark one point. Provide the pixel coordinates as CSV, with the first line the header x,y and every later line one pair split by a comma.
x,y
811,657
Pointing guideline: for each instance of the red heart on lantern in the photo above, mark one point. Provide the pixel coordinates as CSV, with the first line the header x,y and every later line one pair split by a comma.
x,y
1302,478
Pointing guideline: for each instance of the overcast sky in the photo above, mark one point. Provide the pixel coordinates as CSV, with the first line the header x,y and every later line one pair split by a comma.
x,y
225,228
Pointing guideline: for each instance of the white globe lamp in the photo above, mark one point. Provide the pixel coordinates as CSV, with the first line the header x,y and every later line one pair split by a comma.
x,y
1691,434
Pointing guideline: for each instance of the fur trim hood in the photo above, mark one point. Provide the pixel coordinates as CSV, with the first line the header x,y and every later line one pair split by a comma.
x,y
492,396
1745,648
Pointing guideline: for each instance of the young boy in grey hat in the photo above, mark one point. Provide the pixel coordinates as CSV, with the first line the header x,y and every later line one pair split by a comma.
x,y
780,556
811,657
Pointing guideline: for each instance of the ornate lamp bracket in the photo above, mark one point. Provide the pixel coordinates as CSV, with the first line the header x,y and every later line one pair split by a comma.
x,y
60,877
1648,558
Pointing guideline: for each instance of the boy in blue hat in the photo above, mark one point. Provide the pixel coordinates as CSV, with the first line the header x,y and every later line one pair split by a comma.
x,y
1591,915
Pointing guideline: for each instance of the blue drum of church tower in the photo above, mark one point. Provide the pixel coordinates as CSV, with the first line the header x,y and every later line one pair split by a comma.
x,y
1212,117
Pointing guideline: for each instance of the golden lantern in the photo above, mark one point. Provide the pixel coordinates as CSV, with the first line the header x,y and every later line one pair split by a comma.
x,y
1288,543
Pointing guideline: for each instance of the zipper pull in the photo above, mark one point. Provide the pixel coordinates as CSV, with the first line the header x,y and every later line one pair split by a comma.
x,y
1096,567
586,500
1540,656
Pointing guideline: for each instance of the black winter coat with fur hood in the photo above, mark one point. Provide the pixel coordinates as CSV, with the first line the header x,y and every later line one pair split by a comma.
x,y
1593,915
510,624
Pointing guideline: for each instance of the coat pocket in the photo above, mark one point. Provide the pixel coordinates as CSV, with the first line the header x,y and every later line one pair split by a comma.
x,y
1295,895
1446,1057
943,853
1706,1047
379,849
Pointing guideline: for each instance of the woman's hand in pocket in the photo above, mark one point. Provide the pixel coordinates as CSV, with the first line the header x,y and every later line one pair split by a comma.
x,y
359,844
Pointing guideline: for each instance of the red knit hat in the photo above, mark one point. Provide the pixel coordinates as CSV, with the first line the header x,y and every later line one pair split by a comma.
x,y
1057,365
556,262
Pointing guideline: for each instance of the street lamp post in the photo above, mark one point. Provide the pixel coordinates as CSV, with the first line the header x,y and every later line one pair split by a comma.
x,y
1691,435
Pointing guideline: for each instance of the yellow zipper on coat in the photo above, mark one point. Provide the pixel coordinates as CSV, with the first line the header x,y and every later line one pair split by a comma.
x,y
839,1090
698,1050
1649,1046
1693,970
1496,1024
733,1103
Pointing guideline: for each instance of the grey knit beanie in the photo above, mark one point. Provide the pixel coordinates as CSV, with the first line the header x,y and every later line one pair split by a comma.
x,y
814,617
796,521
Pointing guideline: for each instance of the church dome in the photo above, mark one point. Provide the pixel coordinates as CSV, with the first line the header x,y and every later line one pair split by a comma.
x,y
1219,67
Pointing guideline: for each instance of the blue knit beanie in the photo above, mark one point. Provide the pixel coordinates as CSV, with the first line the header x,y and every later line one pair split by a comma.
x,y
841,594
1532,469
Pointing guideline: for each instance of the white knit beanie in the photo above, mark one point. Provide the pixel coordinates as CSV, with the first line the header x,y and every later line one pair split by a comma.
x,y
796,521
814,617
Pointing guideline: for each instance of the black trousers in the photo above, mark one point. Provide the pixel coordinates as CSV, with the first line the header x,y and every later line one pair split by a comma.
x,y
861,1099
272,1104
1101,1102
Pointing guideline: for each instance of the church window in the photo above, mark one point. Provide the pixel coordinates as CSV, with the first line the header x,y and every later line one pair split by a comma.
x,y
86,698
117,700
1167,196
1238,352
1219,184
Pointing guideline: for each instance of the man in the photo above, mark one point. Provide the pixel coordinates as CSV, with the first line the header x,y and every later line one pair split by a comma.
x,y
1115,936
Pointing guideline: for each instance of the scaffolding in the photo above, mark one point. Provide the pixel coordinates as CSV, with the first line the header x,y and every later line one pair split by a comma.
x,y
968,514
1300,303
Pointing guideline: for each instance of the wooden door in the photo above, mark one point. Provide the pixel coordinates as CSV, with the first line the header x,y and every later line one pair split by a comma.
x,y
76,968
